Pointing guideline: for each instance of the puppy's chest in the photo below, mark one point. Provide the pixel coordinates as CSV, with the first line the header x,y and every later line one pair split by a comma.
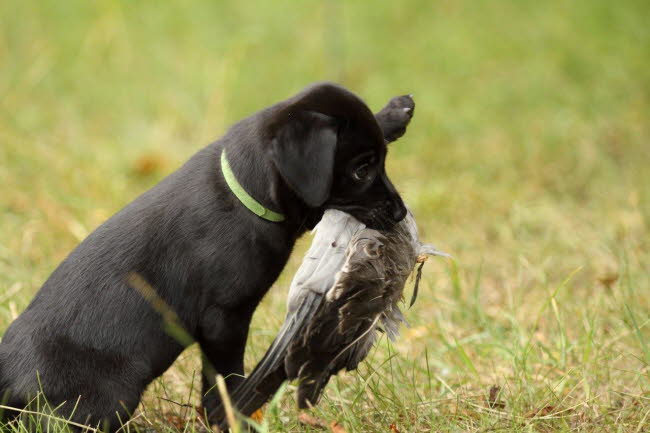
x,y
243,264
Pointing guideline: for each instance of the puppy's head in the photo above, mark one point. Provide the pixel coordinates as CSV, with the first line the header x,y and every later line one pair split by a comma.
x,y
330,151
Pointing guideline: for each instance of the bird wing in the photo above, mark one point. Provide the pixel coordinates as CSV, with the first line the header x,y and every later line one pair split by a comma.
x,y
344,327
314,278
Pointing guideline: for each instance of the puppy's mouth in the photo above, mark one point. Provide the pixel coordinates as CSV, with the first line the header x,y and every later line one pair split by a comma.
x,y
379,217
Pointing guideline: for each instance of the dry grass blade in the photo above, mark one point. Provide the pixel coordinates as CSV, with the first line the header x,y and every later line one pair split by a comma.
x,y
65,421
227,404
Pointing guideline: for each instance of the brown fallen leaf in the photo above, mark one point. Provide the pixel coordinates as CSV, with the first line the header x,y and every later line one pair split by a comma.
x,y
149,163
176,421
493,400
337,428
258,415
200,411
608,278
310,420
393,428
546,410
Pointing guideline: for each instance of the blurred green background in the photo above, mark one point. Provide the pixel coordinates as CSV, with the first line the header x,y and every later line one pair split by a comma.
x,y
528,160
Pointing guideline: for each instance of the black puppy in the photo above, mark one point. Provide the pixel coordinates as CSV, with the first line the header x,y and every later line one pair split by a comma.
x,y
193,256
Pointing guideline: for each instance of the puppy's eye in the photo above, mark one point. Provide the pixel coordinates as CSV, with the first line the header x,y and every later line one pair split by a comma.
x,y
361,173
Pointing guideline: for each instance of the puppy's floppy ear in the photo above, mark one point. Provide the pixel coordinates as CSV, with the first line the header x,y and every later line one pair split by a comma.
x,y
303,151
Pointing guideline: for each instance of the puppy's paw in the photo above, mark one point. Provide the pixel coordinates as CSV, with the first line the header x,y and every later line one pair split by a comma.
x,y
395,117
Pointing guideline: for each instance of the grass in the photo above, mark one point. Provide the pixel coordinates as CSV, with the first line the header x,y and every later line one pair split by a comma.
x,y
527,160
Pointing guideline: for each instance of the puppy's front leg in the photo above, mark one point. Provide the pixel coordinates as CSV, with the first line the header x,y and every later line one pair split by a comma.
x,y
395,117
222,341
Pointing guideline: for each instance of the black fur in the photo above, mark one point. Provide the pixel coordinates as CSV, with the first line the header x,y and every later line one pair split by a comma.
x,y
187,254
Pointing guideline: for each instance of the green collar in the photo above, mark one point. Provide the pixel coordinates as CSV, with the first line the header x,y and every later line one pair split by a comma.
x,y
245,198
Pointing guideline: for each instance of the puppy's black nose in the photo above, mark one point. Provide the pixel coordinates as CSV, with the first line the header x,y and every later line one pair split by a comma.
x,y
398,211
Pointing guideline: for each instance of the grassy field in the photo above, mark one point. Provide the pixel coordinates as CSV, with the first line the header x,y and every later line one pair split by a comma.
x,y
528,160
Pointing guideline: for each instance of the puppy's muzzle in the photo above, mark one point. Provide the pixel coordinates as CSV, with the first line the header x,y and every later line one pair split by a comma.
x,y
394,207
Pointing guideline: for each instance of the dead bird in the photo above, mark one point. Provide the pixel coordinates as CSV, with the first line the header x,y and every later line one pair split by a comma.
x,y
344,294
